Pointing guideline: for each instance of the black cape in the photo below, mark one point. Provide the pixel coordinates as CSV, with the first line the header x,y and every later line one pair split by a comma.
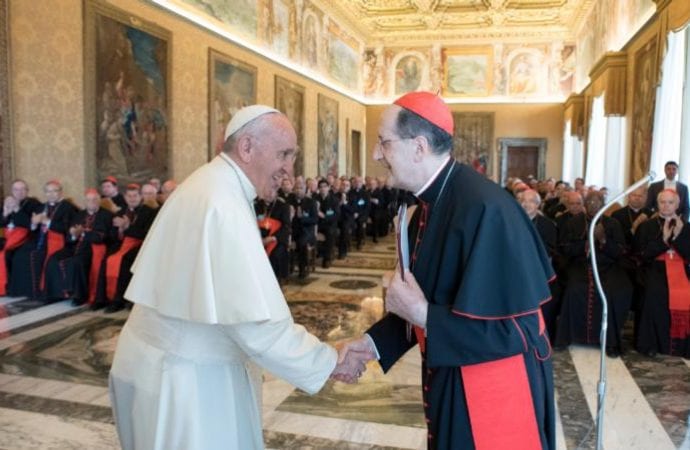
x,y
484,272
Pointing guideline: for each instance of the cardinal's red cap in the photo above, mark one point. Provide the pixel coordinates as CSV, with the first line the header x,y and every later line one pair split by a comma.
x,y
428,106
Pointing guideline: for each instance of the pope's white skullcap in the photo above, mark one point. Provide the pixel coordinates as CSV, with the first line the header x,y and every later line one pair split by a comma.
x,y
244,116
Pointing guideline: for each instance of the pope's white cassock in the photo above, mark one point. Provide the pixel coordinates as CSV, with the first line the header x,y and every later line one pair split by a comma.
x,y
207,306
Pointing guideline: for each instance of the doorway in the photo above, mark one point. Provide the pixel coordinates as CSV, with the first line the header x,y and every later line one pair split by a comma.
x,y
521,157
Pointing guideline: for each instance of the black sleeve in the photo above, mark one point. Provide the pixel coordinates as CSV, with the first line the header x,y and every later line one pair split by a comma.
x,y
390,337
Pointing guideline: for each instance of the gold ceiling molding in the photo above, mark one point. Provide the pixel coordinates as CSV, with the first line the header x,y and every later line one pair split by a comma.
x,y
424,21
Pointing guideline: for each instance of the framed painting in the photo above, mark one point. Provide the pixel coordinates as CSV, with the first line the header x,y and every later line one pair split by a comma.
x,y
231,87
127,95
290,101
468,71
5,145
473,137
644,99
327,136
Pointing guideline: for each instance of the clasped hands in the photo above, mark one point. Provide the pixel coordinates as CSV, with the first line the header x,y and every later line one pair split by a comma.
x,y
405,299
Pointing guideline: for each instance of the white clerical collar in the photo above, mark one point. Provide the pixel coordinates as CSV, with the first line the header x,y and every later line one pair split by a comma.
x,y
669,184
247,186
433,177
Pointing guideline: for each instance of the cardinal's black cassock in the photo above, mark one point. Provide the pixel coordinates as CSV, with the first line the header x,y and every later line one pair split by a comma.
x,y
486,361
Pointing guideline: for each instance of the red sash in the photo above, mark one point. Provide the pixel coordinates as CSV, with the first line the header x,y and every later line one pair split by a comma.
x,y
112,266
272,226
14,238
678,294
501,382
97,255
55,241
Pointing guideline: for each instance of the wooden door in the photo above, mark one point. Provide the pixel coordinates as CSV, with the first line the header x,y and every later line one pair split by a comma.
x,y
521,157
523,161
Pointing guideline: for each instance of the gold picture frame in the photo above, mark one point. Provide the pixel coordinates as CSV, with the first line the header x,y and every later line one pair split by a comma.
x,y
468,71
231,86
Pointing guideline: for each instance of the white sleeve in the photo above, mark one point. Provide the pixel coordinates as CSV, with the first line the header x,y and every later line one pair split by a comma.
x,y
286,350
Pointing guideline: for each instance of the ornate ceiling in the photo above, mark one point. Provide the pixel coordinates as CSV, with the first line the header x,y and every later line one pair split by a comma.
x,y
420,22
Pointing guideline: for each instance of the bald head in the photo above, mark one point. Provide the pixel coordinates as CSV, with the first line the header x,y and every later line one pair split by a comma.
x,y
574,202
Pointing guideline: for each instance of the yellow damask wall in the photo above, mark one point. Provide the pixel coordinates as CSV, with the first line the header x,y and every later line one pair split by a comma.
x,y
510,121
48,101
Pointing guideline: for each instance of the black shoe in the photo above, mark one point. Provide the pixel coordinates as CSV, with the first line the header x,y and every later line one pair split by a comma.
x,y
97,305
612,352
77,302
115,307
326,264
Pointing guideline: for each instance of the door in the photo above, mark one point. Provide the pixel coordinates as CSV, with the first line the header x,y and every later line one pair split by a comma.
x,y
521,157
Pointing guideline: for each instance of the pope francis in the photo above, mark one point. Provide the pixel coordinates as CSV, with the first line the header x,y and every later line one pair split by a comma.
x,y
208,309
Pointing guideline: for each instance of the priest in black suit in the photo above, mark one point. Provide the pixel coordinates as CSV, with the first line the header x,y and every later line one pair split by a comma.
x,y
530,202
671,171
472,295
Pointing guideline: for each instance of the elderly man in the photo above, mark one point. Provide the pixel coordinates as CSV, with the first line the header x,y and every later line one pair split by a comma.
x,y
209,308
580,320
166,189
530,202
73,271
360,203
663,245
132,225
478,275
630,217
18,209
51,229
670,182
149,196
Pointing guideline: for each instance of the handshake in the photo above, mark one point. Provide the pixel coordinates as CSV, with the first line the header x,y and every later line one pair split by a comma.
x,y
352,359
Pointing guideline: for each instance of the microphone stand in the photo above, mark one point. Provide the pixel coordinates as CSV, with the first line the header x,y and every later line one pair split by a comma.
x,y
601,387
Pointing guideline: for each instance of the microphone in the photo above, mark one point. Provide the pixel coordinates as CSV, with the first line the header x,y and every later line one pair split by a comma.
x,y
601,387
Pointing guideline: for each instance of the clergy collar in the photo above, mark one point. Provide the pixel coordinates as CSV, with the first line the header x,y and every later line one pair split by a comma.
x,y
432,188
248,188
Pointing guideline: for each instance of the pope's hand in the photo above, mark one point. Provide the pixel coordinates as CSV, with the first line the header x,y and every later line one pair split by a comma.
x,y
352,359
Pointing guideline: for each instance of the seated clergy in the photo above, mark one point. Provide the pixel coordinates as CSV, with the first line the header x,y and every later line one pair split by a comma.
x,y
303,225
630,217
663,245
274,224
530,201
17,211
329,211
580,319
50,228
73,271
132,224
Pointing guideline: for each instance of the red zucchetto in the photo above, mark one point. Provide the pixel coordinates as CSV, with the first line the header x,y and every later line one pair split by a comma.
x,y
429,106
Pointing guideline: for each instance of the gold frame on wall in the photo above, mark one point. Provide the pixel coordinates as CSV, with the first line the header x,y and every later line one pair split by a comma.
x,y
287,91
216,125
467,57
5,131
151,110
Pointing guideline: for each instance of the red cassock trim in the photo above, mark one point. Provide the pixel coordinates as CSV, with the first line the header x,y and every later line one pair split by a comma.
x,y
678,294
56,241
500,405
97,255
272,226
421,339
112,267
14,238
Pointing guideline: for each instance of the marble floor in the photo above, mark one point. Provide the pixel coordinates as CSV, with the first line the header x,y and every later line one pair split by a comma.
x,y
54,362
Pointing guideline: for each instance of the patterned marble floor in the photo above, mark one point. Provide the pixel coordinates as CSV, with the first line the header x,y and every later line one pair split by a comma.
x,y
54,361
